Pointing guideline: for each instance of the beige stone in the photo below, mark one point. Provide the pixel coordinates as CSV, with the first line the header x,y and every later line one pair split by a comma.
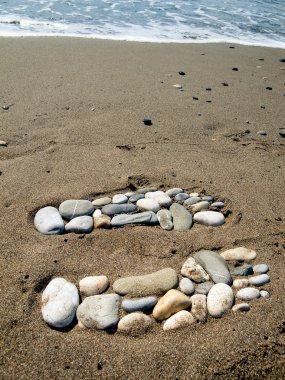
x,y
240,283
93,285
194,271
203,205
102,221
199,307
239,253
172,302
181,319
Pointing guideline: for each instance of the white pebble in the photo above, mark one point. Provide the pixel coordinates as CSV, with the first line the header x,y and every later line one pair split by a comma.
x,y
97,212
181,319
240,283
209,218
260,280
248,294
119,199
264,294
260,268
194,194
241,307
93,285
220,299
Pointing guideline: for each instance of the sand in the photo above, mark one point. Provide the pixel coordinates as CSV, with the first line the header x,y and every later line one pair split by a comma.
x,y
74,130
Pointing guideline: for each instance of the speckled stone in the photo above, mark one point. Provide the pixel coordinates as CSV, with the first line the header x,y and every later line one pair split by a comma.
x,y
102,221
219,300
135,323
73,208
172,302
199,307
240,283
194,271
179,320
182,219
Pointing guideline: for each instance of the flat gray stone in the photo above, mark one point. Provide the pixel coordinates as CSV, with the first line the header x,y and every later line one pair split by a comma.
x,y
174,191
215,265
154,283
112,209
100,311
186,286
218,204
148,205
182,219
181,197
124,219
119,199
146,190
207,198
144,304
80,225
134,198
191,201
75,207
48,221
204,288
244,270
165,219
100,202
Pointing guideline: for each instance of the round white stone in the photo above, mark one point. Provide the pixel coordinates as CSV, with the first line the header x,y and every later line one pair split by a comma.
x,y
181,319
119,199
60,300
48,221
186,286
220,299
148,205
260,268
264,294
209,218
93,285
248,294
97,212
241,307
162,198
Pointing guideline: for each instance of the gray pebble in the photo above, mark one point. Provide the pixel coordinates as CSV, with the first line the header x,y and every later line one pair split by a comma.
x,y
174,191
186,286
146,190
164,217
80,225
75,207
113,209
218,204
244,270
207,198
144,304
204,288
182,219
191,201
124,219
97,203
181,197
134,198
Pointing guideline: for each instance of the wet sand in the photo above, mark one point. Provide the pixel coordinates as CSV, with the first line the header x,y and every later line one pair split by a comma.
x,y
74,130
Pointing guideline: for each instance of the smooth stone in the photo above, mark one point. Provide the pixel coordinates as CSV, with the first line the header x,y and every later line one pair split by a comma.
x,y
260,280
80,225
165,219
195,195
174,191
248,294
93,285
218,204
199,307
209,218
240,283
244,270
194,271
154,220
181,197
97,212
204,288
264,294
129,194
239,254
100,311
241,307
144,304
102,221
219,300
48,221
262,133
135,323
146,190
134,198
260,268
214,265
203,205
282,130
179,86
124,219
148,205
3,143
60,300
207,198
72,208
182,219
191,201
181,319
172,302
147,121
119,199
161,197
154,283
186,286
113,209
97,203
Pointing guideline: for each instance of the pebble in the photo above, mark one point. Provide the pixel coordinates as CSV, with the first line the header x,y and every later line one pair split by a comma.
x,y
146,190
244,270
235,69
48,221
97,203
282,132
154,283
218,204
165,219
181,319
240,283
194,271
102,221
199,307
5,107
72,208
214,265
209,218
181,73
248,294
135,323
129,194
80,225
204,288
186,286
241,307
260,268
144,304
100,311
119,199
203,205
182,219
134,198
262,133
172,302
219,300
174,191
194,194
264,294
112,209
148,205
260,280
147,121
162,198
181,197
191,201
179,86
124,219
97,212
3,143
93,285
207,198
239,254
60,300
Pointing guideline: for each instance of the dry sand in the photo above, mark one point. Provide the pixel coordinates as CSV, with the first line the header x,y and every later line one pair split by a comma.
x,y
75,130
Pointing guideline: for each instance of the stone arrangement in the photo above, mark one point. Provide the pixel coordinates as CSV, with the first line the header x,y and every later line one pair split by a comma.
x,y
172,209
210,284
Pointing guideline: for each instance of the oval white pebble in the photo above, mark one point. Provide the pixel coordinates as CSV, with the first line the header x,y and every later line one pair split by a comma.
x,y
186,286
93,285
119,199
260,280
241,307
48,221
264,294
148,205
97,212
209,218
220,299
80,225
248,294
181,319
260,268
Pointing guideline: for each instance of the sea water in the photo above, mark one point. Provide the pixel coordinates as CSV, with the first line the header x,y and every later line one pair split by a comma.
x,y
251,22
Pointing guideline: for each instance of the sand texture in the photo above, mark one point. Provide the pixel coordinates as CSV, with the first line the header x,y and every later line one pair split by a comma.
x,y
74,131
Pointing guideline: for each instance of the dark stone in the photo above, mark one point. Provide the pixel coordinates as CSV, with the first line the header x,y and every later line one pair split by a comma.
x,y
208,89
182,73
262,133
235,69
147,121
232,47
5,107
269,88
261,59
225,84
282,60
208,101
195,98
263,107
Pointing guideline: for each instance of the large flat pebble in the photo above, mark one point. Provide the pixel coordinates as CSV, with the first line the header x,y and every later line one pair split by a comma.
x,y
48,221
80,225
214,265
124,219
75,207
182,219
112,209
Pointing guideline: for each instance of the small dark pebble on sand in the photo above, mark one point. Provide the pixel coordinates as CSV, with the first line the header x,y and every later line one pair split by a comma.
x,y
268,88
235,69
263,107
208,101
232,47
225,84
5,107
147,121
282,60
261,59
208,89
195,98
262,133
181,73
247,131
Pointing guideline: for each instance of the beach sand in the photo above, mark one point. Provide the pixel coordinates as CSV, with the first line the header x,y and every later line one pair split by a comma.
x,y
74,130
